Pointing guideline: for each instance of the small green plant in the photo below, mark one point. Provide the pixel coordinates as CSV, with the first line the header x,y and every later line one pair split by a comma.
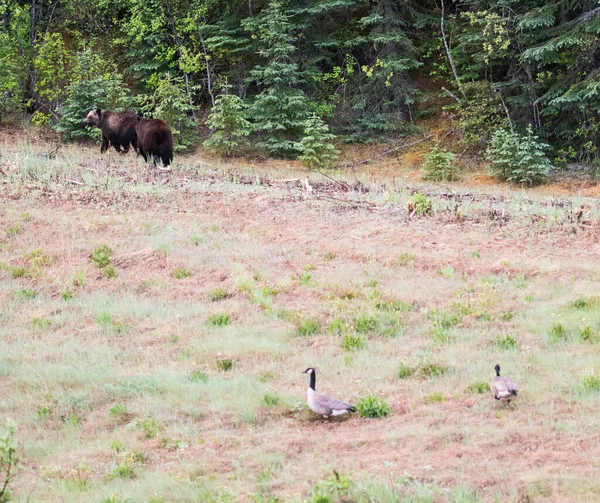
x,y
587,334
67,294
404,258
506,315
308,327
271,399
557,333
432,369
219,294
117,446
352,342
101,256
10,461
590,383
405,371
109,272
224,364
122,471
439,165
198,376
266,376
173,339
420,204
447,272
182,273
592,302
475,254
507,342
219,320
365,324
196,240
25,294
43,412
304,278
18,272
13,230
40,324
118,410
38,259
329,256
372,406
79,279
149,427
478,387
434,397
315,148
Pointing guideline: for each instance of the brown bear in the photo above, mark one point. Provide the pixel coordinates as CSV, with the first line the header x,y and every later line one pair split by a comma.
x,y
155,140
118,128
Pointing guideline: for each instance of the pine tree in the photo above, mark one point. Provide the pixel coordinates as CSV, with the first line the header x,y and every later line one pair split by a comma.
x,y
230,125
315,148
280,110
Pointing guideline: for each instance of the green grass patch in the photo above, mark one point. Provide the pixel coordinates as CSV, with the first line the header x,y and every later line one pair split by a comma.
x,y
590,384
224,364
308,327
405,371
405,258
182,273
18,272
434,397
478,387
219,294
150,428
352,342
25,294
507,342
271,399
557,333
219,320
198,376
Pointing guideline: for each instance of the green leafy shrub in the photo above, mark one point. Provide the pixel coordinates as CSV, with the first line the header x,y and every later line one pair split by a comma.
x,y
434,397
590,383
365,324
230,126
587,334
372,406
439,165
101,256
149,427
18,272
10,461
517,159
182,273
110,272
25,294
432,369
420,204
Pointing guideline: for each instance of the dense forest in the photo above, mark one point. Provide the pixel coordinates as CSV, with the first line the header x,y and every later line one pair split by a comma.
x,y
287,76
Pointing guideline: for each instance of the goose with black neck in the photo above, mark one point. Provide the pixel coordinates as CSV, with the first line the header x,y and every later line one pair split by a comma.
x,y
324,405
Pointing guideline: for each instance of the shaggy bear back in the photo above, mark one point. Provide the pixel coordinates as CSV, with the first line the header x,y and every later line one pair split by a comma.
x,y
155,140
118,128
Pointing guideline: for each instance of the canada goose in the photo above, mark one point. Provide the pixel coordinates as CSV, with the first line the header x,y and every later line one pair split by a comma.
x,y
503,388
324,405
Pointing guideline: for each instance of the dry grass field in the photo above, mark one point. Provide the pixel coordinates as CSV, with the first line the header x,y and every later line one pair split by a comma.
x,y
155,326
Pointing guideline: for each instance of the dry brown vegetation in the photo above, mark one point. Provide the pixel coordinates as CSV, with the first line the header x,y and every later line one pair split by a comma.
x,y
167,365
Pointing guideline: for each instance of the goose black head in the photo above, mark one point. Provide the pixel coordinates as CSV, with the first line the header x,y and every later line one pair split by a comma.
x,y
497,367
309,370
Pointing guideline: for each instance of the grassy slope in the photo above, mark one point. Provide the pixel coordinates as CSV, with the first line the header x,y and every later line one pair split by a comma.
x,y
118,384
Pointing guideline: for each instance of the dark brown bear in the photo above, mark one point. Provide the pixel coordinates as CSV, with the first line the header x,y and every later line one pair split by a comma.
x,y
155,140
118,128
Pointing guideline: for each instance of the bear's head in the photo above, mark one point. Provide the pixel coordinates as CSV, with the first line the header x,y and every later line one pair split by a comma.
x,y
93,118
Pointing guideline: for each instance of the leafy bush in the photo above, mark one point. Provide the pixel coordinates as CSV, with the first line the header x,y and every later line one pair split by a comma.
x,y
405,371
9,461
557,333
365,324
101,256
18,272
439,165
420,204
150,427
372,406
590,383
271,399
518,159
224,364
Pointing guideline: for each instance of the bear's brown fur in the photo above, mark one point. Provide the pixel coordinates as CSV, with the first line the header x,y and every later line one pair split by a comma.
x,y
154,140
118,128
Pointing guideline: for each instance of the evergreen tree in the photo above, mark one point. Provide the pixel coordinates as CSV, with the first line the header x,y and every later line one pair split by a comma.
x,y
315,148
230,125
280,110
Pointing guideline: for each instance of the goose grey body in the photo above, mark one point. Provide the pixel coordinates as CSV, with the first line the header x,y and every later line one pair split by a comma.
x,y
502,387
322,404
